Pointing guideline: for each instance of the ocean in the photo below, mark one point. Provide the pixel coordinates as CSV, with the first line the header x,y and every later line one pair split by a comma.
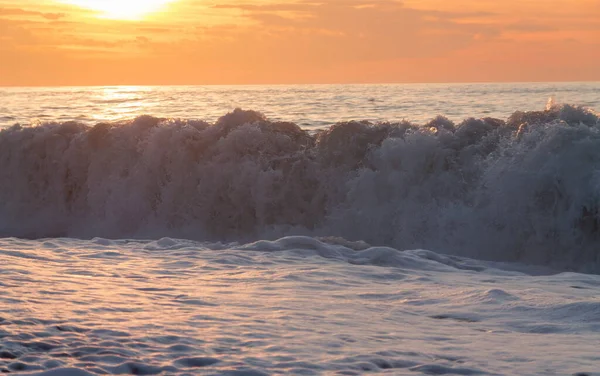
x,y
309,106
448,229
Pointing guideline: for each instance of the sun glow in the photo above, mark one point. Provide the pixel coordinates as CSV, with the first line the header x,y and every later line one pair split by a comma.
x,y
121,9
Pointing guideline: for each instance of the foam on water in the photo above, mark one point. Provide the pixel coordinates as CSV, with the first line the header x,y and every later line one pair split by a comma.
x,y
292,306
524,189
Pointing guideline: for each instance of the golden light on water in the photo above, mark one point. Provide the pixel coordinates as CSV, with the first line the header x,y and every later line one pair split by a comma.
x,y
121,9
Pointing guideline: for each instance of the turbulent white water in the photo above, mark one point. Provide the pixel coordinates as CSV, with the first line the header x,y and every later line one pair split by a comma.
x,y
525,189
296,306
307,237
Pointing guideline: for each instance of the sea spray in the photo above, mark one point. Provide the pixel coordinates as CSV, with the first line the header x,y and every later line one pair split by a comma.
x,y
524,189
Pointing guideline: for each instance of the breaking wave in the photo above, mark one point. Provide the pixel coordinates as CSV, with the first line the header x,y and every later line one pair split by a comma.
x,y
525,189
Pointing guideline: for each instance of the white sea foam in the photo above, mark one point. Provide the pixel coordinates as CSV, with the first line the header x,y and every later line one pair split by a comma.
x,y
293,306
526,189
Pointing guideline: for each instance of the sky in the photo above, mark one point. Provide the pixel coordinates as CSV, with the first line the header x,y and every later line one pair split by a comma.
x,y
180,42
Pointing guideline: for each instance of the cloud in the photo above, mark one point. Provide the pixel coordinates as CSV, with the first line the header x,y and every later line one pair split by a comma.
x,y
7,12
349,29
255,41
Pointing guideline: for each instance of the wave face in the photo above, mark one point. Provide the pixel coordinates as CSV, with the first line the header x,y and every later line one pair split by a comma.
x,y
525,189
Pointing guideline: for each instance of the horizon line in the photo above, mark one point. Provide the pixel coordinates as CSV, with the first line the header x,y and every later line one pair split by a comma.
x,y
310,84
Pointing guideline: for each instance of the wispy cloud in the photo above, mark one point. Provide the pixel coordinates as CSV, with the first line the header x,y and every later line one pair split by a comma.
x,y
253,41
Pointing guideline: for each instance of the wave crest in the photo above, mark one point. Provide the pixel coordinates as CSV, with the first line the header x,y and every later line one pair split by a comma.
x,y
525,189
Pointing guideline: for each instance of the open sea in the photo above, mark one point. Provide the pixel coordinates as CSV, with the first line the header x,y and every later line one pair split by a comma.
x,y
448,229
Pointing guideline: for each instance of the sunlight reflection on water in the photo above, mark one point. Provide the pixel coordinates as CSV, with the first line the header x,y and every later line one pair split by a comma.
x,y
309,106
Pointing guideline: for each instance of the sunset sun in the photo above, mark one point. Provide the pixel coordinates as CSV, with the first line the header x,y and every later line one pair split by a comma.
x,y
119,9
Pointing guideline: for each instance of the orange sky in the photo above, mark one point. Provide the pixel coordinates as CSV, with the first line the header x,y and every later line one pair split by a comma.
x,y
48,42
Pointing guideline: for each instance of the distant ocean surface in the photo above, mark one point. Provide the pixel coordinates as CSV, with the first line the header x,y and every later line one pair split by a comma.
x,y
309,106
300,230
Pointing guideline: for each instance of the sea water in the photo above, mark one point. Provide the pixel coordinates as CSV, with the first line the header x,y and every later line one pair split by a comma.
x,y
321,230
309,106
